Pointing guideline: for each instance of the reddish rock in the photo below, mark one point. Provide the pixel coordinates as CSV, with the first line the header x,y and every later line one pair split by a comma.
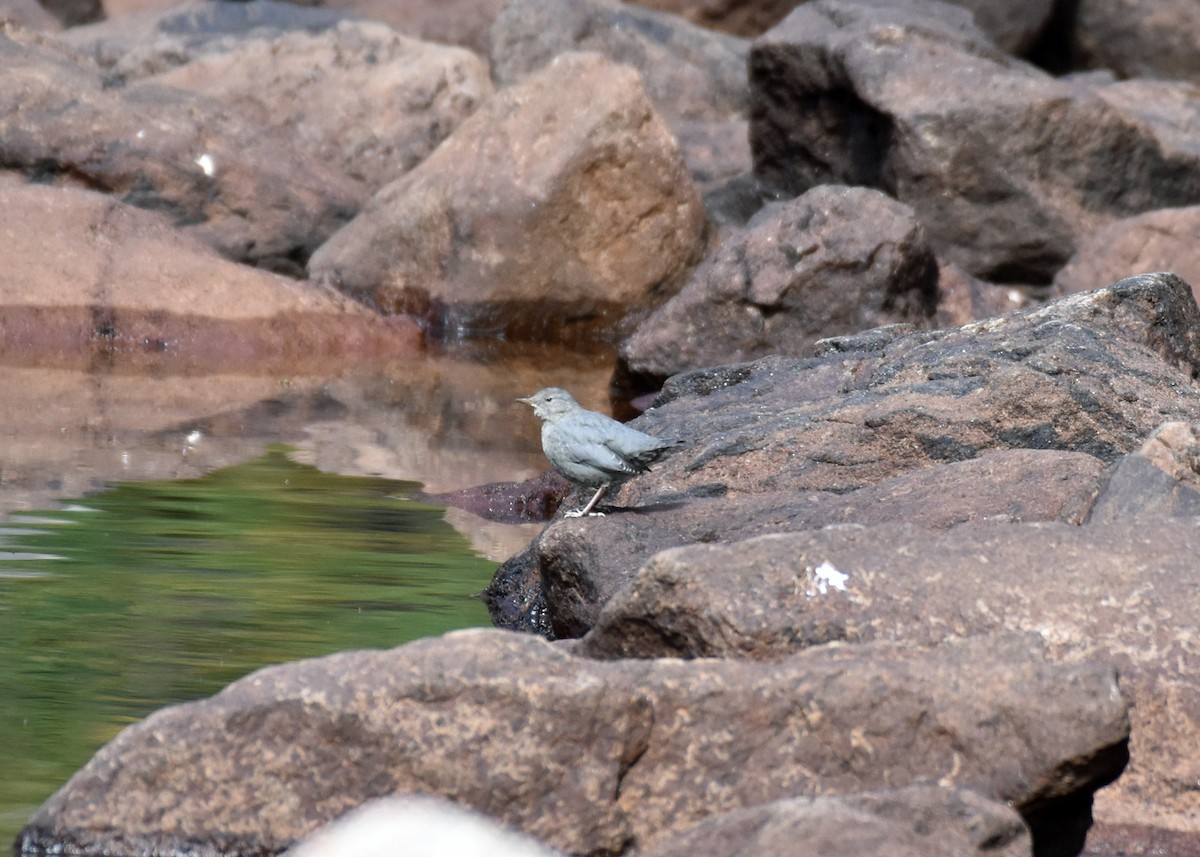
x,y
28,14
358,96
593,757
554,208
1116,593
835,260
1162,240
86,274
1006,167
1159,480
235,185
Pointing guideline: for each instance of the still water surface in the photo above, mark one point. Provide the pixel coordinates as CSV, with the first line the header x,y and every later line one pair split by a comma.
x,y
162,536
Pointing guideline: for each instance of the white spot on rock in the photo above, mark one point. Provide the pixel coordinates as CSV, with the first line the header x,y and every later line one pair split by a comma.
x,y
206,164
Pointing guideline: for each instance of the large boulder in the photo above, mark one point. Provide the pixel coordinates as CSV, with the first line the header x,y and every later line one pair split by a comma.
x,y
555,207
594,757
242,188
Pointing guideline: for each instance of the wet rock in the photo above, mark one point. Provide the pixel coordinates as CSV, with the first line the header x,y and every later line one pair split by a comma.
x,y
555,207
835,260
1161,480
689,73
1006,167
1116,593
232,184
358,96
1160,41
587,756
511,502
919,821
1162,240
87,275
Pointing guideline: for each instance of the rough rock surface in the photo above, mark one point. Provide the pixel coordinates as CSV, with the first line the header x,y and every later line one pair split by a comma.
x,y
358,95
1160,480
553,208
237,186
1159,41
1119,593
589,756
1006,167
86,274
1093,373
1161,240
835,260
919,821
688,73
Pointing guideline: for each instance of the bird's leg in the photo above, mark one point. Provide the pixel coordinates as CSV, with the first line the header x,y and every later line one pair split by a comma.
x,y
591,504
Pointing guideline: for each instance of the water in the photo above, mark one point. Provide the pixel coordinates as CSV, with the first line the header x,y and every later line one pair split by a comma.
x,y
162,536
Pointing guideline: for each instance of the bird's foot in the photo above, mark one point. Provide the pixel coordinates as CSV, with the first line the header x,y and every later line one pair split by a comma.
x,y
581,513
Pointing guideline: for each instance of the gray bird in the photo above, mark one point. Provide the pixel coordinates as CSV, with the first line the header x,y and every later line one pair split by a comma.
x,y
588,448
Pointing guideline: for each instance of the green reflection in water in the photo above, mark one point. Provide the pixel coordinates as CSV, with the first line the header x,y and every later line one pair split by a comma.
x,y
162,592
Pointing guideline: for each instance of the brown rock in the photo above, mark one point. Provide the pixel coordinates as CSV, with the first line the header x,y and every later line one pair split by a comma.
x,y
835,260
591,757
963,299
1162,240
358,96
1006,167
1116,593
237,186
74,12
919,821
1160,480
689,73
86,274
1159,41
553,208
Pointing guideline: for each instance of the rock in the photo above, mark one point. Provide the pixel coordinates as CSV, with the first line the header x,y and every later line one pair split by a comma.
x,y
1161,240
74,12
559,585
357,96
451,22
689,73
1117,592
1089,374
835,260
1161,480
592,757
919,821
157,39
1006,167
551,210
963,299
87,275
234,185
28,14
428,827
1160,41
1013,24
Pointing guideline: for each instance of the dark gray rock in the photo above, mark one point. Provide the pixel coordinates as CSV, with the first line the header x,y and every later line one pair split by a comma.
x,y
1161,480
835,260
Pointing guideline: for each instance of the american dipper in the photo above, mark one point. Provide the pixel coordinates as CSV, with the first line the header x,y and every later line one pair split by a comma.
x,y
591,449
